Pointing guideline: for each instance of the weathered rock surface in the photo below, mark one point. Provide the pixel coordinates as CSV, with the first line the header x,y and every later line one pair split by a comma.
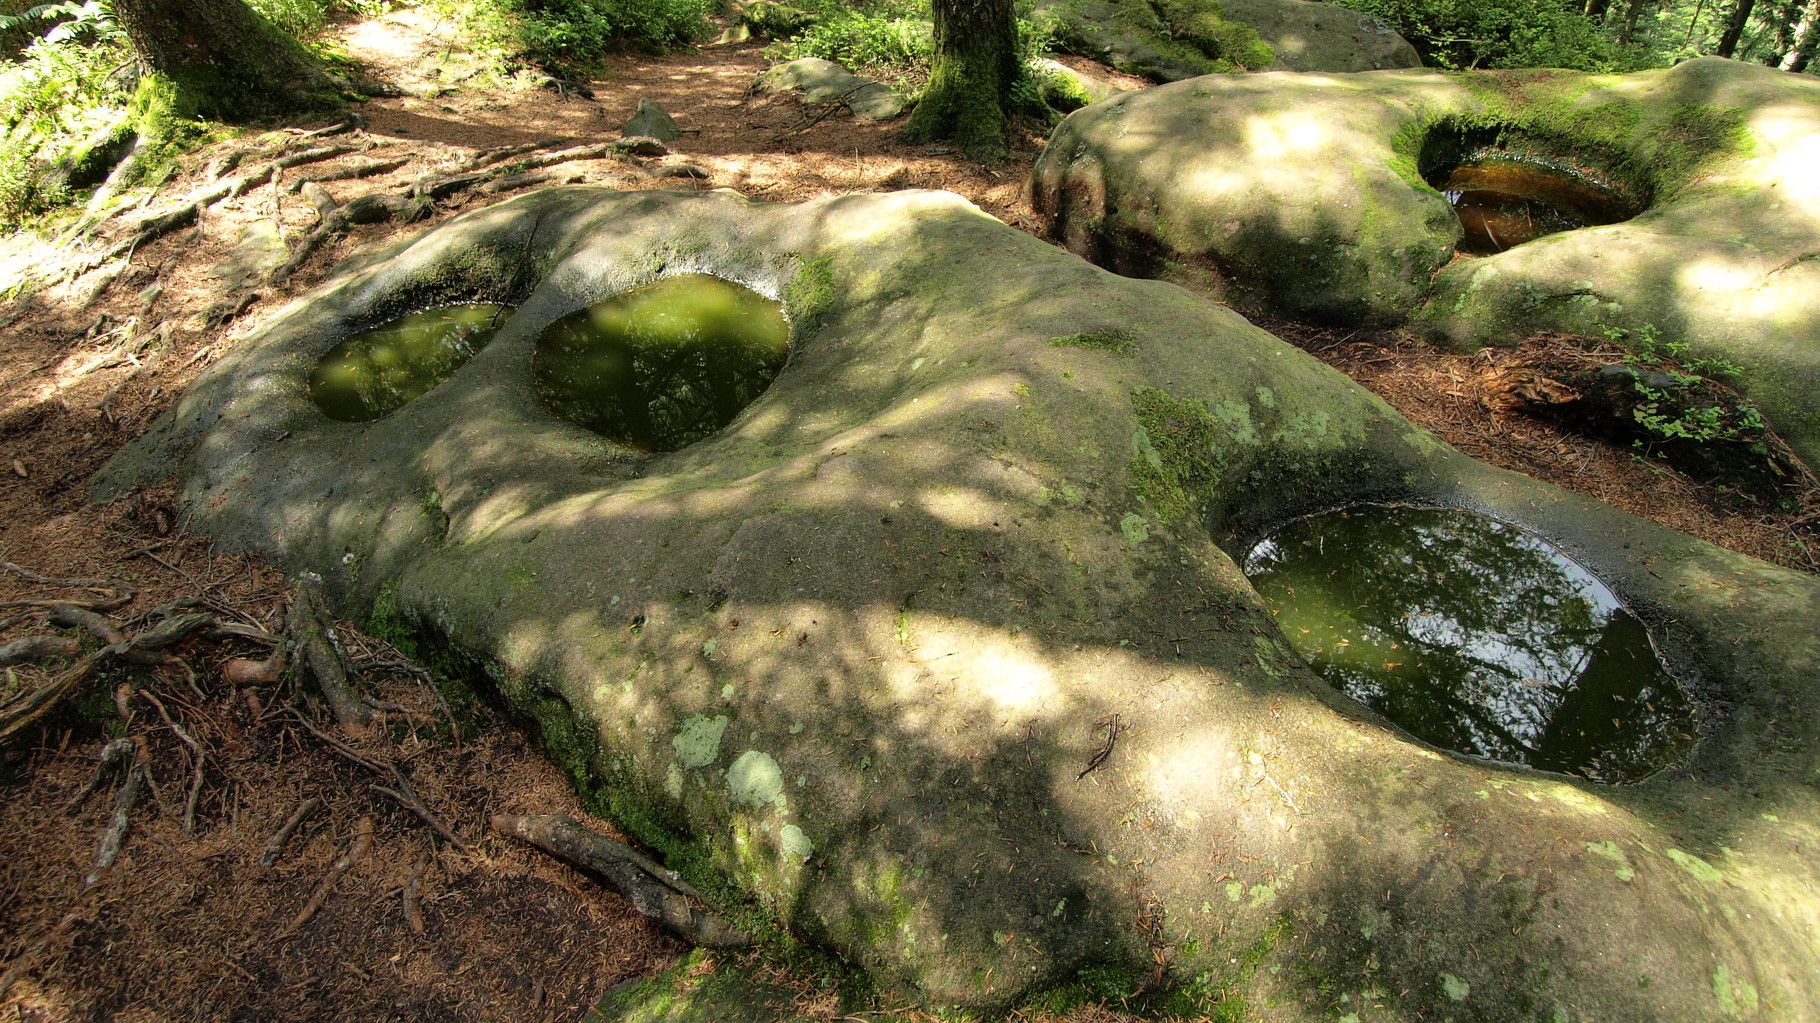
x,y
824,81
1309,36
1303,194
652,121
1161,41
852,655
1169,40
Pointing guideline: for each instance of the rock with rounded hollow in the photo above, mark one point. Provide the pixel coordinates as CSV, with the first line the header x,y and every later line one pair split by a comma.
x,y
1303,194
938,652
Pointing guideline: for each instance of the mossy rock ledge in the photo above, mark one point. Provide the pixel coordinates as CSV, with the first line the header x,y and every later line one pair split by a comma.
x,y
1303,194
842,662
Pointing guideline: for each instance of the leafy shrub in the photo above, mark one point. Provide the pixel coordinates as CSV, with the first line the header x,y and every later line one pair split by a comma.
x,y
1501,34
863,42
51,99
573,35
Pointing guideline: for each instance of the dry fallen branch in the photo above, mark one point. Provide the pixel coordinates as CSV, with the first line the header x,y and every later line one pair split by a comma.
x,y
275,848
357,849
653,891
123,593
402,792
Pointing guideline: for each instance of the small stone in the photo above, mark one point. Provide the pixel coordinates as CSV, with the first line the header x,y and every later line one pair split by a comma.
x,y
683,170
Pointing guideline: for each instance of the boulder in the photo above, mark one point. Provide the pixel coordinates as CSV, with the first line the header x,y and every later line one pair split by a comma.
x,y
939,656
1066,90
824,81
1169,40
651,121
1309,36
1303,194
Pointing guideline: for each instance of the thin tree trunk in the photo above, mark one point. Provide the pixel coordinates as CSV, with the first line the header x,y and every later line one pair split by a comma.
x,y
1595,10
1693,22
1807,33
1631,13
1734,27
225,60
969,86
1786,14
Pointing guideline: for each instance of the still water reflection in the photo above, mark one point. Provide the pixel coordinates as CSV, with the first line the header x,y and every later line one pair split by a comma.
x,y
1477,637
380,371
662,366
1506,200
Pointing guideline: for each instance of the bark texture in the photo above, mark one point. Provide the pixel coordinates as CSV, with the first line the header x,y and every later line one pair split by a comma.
x,y
225,60
1734,26
1807,33
969,87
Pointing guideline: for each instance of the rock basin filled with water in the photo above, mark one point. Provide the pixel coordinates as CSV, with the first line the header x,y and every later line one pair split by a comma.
x,y
662,366
1475,636
379,371
1505,199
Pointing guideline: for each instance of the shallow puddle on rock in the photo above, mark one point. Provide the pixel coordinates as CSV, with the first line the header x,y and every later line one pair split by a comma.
x,y
1475,636
1503,201
663,366
377,372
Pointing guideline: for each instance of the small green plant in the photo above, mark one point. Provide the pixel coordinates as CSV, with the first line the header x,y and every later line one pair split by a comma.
x,y
1107,339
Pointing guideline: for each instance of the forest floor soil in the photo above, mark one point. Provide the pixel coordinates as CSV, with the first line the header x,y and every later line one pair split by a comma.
x,y
188,923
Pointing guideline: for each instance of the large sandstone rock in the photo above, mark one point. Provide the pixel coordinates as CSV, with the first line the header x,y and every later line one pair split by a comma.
x,y
1309,36
1302,194
850,657
824,81
1169,40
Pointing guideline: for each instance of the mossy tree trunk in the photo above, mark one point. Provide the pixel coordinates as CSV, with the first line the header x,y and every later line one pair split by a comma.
x,y
225,61
976,64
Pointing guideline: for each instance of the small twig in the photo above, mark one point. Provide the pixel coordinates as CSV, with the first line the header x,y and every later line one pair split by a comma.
x,y
275,848
407,798
357,848
195,792
1111,724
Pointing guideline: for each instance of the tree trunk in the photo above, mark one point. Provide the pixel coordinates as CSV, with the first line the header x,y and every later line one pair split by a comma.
x,y
1807,34
1787,12
1734,27
969,87
224,60
1693,22
1631,14
1595,10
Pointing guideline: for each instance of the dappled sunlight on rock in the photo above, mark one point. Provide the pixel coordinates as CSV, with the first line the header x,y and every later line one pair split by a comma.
x,y
934,653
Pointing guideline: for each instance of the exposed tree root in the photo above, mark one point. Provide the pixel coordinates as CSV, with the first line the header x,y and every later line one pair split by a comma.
x,y
38,648
274,849
655,892
355,852
319,655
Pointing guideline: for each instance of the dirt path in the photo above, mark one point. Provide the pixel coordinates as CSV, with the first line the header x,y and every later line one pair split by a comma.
x,y
188,926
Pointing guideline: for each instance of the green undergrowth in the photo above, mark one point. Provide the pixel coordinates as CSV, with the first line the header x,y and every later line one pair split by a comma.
x,y
570,37
53,98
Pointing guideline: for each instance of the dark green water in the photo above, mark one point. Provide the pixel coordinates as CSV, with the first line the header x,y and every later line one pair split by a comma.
x,y
376,373
662,366
1476,636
